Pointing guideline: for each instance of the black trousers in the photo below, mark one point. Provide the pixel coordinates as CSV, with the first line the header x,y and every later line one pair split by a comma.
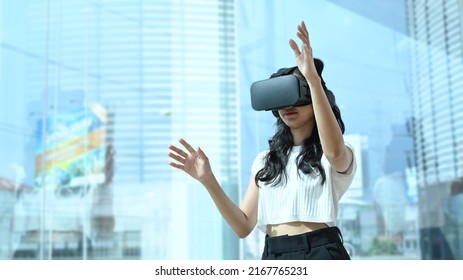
x,y
322,244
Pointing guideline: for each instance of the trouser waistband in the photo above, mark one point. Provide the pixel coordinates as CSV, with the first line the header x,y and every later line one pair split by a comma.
x,y
305,241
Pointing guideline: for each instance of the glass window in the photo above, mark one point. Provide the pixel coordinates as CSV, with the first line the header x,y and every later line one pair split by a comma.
x,y
92,93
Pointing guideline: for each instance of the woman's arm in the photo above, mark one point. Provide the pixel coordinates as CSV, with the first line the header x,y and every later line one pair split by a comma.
x,y
332,141
195,163
339,156
243,219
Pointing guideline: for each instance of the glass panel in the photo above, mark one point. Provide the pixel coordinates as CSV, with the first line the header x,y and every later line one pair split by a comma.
x,y
92,92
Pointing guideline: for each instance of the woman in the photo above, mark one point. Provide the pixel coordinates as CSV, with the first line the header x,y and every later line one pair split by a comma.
x,y
295,187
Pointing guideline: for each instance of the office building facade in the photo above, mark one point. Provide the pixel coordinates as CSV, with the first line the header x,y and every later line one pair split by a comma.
x,y
435,28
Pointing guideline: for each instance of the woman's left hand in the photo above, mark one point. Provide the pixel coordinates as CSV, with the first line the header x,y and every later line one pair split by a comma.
x,y
304,57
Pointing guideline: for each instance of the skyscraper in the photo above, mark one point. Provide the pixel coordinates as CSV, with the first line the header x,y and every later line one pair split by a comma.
x,y
437,79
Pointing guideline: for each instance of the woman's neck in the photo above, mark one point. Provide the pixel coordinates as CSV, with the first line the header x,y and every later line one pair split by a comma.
x,y
300,134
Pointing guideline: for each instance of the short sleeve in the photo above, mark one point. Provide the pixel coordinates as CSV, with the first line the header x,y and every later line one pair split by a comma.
x,y
258,163
341,181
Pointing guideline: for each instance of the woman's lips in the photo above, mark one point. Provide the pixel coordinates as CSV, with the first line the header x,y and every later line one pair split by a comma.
x,y
289,113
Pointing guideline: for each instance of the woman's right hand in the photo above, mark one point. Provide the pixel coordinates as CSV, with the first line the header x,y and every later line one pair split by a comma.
x,y
193,162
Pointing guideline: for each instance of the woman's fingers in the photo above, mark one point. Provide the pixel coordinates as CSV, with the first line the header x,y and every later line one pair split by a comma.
x,y
295,47
304,39
177,158
303,34
178,151
186,145
179,154
176,165
303,29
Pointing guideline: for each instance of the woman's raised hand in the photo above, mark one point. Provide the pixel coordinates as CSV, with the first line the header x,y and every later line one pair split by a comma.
x,y
304,57
193,162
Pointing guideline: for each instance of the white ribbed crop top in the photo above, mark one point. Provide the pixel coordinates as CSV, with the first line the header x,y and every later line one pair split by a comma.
x,y
302,198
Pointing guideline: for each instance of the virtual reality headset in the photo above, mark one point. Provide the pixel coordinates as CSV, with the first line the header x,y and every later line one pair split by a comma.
x,y
279,92
283,89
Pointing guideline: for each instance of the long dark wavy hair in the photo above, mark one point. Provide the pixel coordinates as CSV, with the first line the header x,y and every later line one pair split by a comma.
x,y
280,145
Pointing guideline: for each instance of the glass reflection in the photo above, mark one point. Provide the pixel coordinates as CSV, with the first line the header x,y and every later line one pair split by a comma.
x,y
139,75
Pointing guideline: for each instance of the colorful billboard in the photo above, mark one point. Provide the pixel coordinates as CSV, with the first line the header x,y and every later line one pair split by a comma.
x,y
74,154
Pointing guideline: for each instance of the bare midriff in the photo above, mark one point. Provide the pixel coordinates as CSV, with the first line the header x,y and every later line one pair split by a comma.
x,y
293,228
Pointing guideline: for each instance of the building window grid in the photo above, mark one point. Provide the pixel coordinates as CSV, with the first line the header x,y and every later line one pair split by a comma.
x,y
447,83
